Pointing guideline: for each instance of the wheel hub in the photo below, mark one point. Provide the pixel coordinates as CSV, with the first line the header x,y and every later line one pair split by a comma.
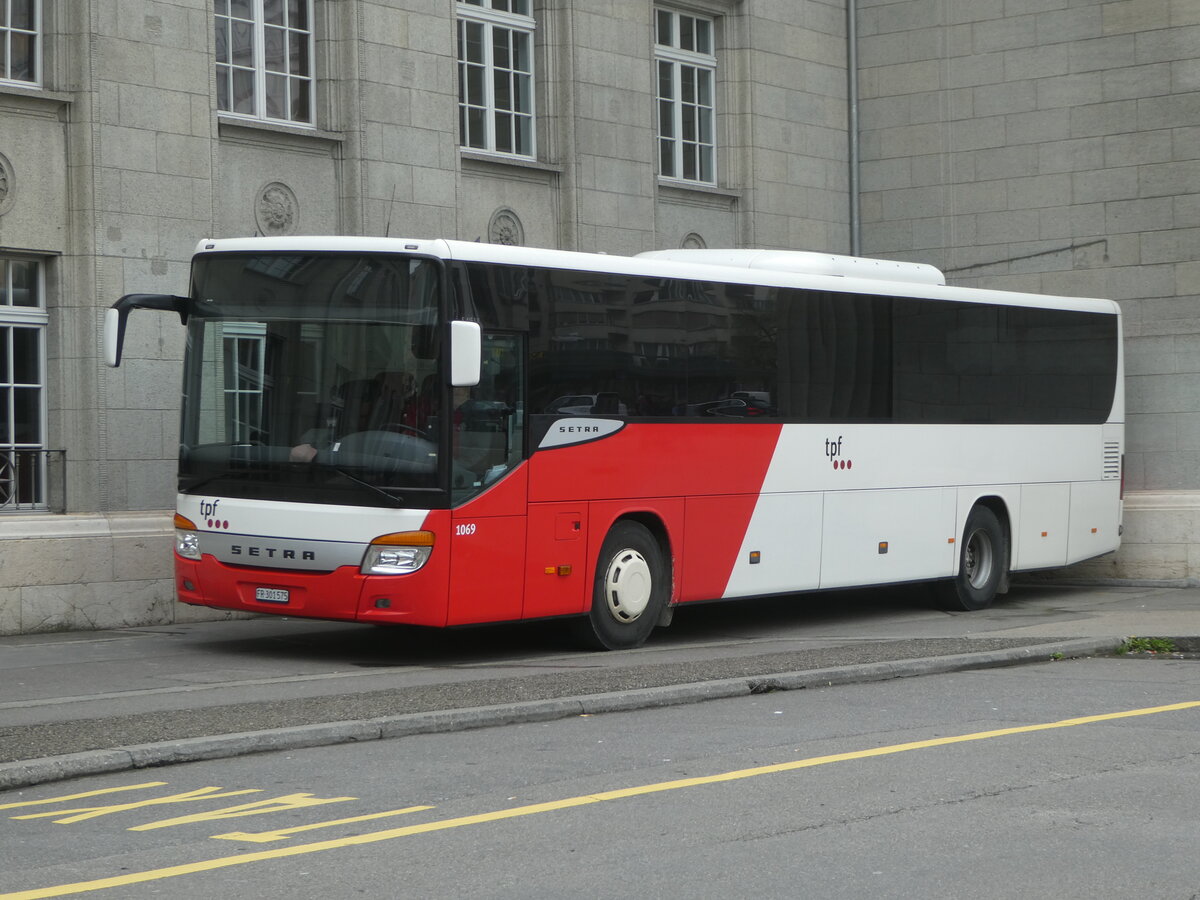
x,y
978,559
628,586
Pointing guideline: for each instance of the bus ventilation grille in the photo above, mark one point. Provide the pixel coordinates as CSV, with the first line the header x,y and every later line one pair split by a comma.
x,y
1112,461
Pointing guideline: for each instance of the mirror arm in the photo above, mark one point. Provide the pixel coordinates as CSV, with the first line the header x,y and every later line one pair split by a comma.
x,y
115,319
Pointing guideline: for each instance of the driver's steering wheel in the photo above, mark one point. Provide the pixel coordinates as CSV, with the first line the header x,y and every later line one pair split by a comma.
x,y
401,428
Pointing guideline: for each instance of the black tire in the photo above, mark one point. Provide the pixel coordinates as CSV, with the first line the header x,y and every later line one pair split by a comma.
x,y
630,590
982,564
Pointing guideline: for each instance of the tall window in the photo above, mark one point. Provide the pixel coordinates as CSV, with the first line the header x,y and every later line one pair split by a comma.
x,y
22,385
495,76
245,379
265,59
20,40
686,70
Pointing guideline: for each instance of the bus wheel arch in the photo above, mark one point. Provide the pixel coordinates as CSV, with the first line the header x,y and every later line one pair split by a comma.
x,y
984,558
631,586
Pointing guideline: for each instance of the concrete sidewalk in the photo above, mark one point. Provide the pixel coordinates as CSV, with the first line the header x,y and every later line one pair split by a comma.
x,y
86,703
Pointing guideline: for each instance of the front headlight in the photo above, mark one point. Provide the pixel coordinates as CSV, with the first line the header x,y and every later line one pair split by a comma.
x,y
187,538
397,554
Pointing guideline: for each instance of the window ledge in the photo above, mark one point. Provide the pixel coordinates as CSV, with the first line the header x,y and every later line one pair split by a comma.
x,y
31,98
482,161
49,526
690,192
256,131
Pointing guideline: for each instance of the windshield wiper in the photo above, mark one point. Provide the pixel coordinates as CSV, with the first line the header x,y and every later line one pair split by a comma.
x,y
264,475
236,475
392,498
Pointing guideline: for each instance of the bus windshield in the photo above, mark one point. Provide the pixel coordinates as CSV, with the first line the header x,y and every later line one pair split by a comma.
x,y
312,378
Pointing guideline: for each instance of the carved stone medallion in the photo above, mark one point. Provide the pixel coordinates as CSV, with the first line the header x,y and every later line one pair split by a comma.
x,y
8,192
277,209
506,228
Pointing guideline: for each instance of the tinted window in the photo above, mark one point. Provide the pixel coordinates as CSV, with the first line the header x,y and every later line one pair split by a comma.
x,y
835,357
961,362
639,347
498,297
604,345
615,345
732,339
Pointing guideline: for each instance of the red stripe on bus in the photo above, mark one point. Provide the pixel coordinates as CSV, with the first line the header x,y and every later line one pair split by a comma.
x,y
717,469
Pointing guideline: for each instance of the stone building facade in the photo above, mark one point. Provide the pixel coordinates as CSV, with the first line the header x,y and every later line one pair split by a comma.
x,y
1046,145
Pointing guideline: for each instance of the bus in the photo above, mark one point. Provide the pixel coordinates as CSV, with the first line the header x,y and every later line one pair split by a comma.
x,y
443,433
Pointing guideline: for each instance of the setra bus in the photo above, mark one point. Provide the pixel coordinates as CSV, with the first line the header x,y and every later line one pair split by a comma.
x,y
444,433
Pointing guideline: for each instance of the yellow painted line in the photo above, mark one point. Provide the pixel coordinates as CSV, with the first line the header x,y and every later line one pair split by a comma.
x,y
82,887
71,816
285,803
266,837
49,800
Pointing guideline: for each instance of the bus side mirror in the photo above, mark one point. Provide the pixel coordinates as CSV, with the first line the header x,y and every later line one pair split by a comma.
x,y
114,336
466,352
116,315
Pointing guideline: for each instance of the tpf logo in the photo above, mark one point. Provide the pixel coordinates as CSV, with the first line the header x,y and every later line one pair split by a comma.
x,y
833,450
208,511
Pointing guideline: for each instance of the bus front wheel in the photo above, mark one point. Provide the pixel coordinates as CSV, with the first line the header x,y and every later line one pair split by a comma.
x,y
629,592
982,563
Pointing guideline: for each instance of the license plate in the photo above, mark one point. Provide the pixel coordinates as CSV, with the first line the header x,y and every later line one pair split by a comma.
x,y
271,595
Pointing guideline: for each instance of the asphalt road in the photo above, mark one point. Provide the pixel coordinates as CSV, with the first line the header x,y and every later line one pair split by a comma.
x,y
84,702
1065,779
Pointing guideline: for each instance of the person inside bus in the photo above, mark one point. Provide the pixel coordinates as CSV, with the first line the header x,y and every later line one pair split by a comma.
x,y
422,406
394,395
375,404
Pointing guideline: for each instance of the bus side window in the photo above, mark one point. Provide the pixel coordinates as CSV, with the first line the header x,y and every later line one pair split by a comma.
x,y
490,422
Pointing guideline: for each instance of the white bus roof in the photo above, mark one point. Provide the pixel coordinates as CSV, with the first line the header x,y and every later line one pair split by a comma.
x,y
781,268
807,263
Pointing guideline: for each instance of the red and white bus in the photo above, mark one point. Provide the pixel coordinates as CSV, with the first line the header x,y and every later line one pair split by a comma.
x,y
442,433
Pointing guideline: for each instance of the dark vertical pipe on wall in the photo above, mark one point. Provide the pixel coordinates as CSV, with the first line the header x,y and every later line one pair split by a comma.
x,y
852,124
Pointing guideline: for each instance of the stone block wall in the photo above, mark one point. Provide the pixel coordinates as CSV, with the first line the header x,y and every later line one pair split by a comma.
x,y
85,572
1054,146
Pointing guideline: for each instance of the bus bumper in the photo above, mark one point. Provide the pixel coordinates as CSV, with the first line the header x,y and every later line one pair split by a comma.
x,y
344,594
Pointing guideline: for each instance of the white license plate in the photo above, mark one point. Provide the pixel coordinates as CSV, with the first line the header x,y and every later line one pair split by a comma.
x,y
271,595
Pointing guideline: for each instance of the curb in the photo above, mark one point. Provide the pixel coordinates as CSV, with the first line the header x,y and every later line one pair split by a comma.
x,y
28,773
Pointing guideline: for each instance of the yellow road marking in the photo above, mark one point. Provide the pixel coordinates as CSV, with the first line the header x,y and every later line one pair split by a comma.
x,y
71,816
49,800
265,837
258,808
209,865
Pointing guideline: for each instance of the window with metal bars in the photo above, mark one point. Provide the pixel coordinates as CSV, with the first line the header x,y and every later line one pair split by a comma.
x,y
24,459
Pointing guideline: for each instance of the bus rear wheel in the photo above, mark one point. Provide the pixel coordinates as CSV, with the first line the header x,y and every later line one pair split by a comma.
x,y
629,592
982,563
